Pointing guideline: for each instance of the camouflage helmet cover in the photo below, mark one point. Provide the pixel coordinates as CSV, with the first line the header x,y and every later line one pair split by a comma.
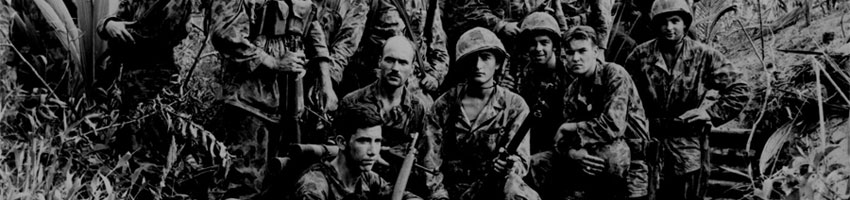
x,y
540,21
662,8
478,39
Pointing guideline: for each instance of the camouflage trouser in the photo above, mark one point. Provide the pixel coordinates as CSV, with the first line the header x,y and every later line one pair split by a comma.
x,y
137,85
554,175
140,84
246,137
688,186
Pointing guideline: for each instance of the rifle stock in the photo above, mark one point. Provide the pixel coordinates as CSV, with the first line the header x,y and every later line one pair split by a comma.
x,y
406,167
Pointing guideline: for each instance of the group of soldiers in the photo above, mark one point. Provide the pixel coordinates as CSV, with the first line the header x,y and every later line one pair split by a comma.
x,y
466,75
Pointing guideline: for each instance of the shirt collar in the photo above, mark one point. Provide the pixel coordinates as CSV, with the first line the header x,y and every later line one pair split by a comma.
x,y
373,92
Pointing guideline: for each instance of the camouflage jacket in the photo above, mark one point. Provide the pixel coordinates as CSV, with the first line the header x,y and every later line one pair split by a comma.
x,y
343,22
387,21
467,146
593,13
606,108
321,182
543,91
493,15
399,122
159,26
244,46
670,90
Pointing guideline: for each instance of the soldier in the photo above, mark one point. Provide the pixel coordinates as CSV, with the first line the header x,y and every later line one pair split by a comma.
x,y
150,26
542,79
343,22
403,112
389,18
593,13
604,128
471,119
673,74
349,175
264,44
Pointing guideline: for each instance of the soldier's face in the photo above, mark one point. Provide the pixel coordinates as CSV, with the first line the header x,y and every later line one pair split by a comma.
x,y
396,64
363,148
672,28
541,49
484,69
580,56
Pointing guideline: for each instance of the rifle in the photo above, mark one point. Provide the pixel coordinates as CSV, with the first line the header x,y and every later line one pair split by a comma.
x,y
406,167
512,145
402,11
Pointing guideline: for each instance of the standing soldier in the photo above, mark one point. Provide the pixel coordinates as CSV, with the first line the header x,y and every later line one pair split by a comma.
x,y
403,112
263,44
593,13
343,22
140,63
471,119
673,74
409,18
142,35
542,79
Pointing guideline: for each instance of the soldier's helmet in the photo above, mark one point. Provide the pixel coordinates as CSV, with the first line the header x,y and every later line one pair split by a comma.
x,y
479,39
537,22
663,8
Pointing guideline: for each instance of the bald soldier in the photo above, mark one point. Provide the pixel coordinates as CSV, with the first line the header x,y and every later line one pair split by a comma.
x,y
402,111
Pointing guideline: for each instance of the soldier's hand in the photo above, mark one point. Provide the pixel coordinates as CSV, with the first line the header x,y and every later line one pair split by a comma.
x,y
429,83
118,30
511,29
291,62
695,115
508,82
590,165
330,98
506,165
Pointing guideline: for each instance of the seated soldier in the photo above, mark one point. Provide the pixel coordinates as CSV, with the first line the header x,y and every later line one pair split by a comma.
x,y
402,111
604,131
472,121
349,175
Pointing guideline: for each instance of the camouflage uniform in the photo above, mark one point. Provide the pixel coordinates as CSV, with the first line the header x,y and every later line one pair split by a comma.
x,y
543,90
248,33
399,123
669,90
159,26
321,182
593,13
467,146
612,126
343,22
385,21
52,50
